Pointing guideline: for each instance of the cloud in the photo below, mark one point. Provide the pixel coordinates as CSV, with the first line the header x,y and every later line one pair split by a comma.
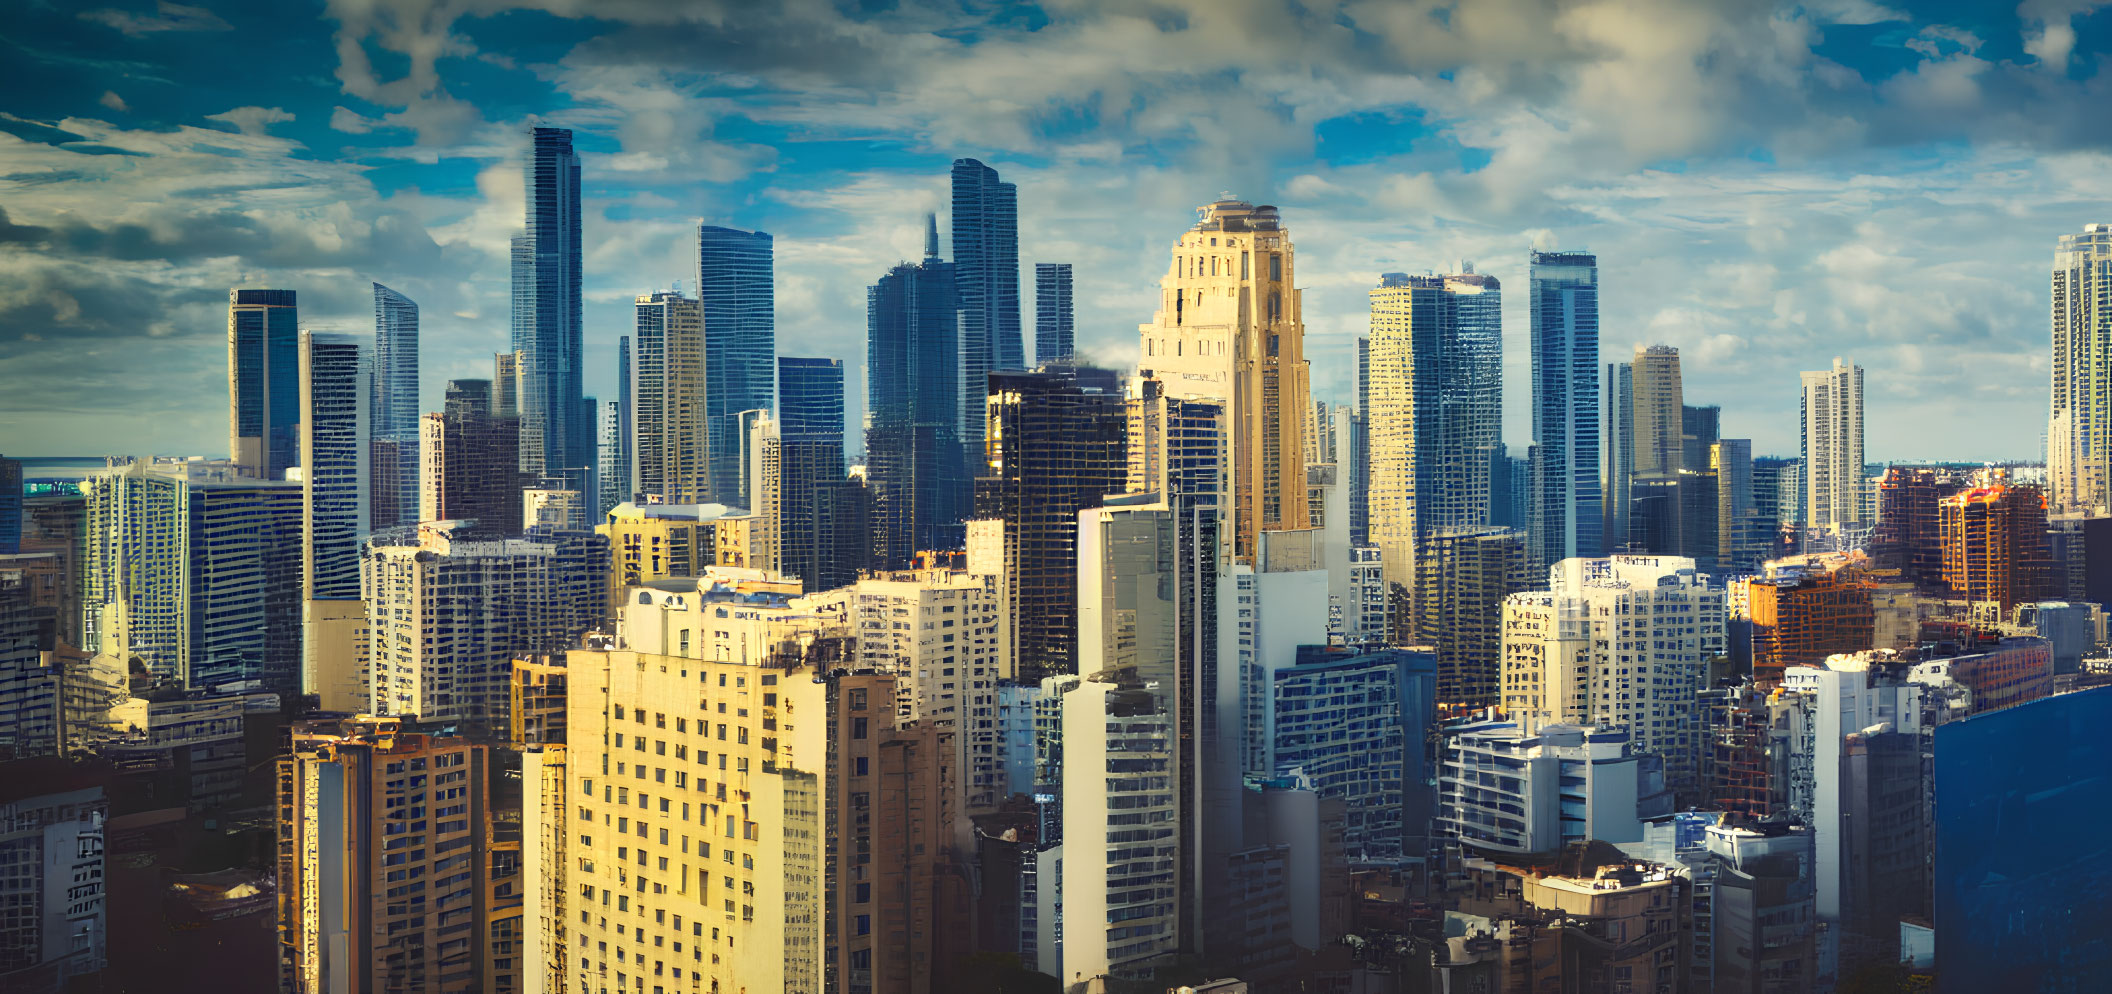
x,y
351,122
2049,29
166,17
111,100
252,120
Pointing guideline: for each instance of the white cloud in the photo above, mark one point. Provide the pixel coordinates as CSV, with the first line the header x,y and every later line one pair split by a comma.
x,y
111,100
252,121
166,17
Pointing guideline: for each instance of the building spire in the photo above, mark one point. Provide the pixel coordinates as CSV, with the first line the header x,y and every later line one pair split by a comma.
x,y
931,236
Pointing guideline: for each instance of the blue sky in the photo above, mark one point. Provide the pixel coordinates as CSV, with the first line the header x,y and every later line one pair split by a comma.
x,y
1767,186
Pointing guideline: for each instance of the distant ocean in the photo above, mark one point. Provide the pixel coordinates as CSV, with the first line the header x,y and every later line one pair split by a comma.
x,y
59,467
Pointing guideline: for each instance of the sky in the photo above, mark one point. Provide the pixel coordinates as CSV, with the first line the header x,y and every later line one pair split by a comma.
x,y
1766,186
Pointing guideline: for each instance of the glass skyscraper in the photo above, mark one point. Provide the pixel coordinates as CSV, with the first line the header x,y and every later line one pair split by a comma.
x,y
263,382
1566,517
392,410
808,493
913,451
810,397
986,277
1052,312
333,463
546,313
734,282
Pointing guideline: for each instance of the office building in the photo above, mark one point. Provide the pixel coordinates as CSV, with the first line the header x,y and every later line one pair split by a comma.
x,y
2078,463
1806,609
1658,405
669,449
10,506
1566,517
914,459
1995,880
195,568
1760,907
1053,339
1502,788
1057,444
1228,328
946,675
1461,581
448,610
263,382
1119,899
612,457
1743,536
1352,725
736,285
1700,429
334,462
546,311
364,808
1995,545
392,409
1436,398
1777,488
472,454
699,860
986,281
53,820
29,693
1622,641
1909,536
1833,449
805,498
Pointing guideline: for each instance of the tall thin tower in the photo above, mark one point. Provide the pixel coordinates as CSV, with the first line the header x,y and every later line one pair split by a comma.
x,y
1833,447
2079,428
392,407
986,282
735,286
263,382
546,305
1566,516
1228,329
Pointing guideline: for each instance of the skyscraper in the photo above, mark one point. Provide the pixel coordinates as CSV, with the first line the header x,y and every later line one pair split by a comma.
x,y
736,290
334,414
546,308
1462,577
1057,445
263,382
1228,328
1052,312
1659,400
472,467
1566,514
803,485
2079,432
619,484
612,457
669,400
1833,448
1616,488
986,281
1995,546
1436,396
913,451
392,411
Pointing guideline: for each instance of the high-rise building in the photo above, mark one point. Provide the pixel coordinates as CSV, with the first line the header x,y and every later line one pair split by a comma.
x,y
671,448
986,281
54,526
1573,783
333,461
263,382
1659,400
546,310
448,612
1807,609
392,409
1056,445
619,481
10,506
2078,453
1354,724
471,455
737,290
804,493
1620,452
1995,544
1619,641
1778,485
1833,448
194,568
29,694
913,451
1566,516
1742,534
1435,420
613,457
53,822
1700,427
1228,328
1462,578
1053,339
1121,910
1909,536
349,843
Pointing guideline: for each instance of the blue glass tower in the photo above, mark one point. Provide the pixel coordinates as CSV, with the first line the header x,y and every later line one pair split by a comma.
x,y
555,437
392,409
1566,517
986,280
1052,312
810,398
913,450
734,282
263,381
819,538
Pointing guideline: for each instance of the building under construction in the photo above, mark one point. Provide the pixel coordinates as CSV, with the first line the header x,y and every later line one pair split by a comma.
x,y
1807,608
1995,546
1909,537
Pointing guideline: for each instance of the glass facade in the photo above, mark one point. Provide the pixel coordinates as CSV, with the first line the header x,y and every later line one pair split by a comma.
x,y
734,274
546,311
1052,312
264,381
986,277
913,452
333,377
1566,513
392,409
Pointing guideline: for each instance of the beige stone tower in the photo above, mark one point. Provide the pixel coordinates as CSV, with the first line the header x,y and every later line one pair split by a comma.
x,y
1228,329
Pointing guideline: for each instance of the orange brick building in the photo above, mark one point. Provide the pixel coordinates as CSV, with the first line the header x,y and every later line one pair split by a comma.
x,y
1804,610
1995,546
